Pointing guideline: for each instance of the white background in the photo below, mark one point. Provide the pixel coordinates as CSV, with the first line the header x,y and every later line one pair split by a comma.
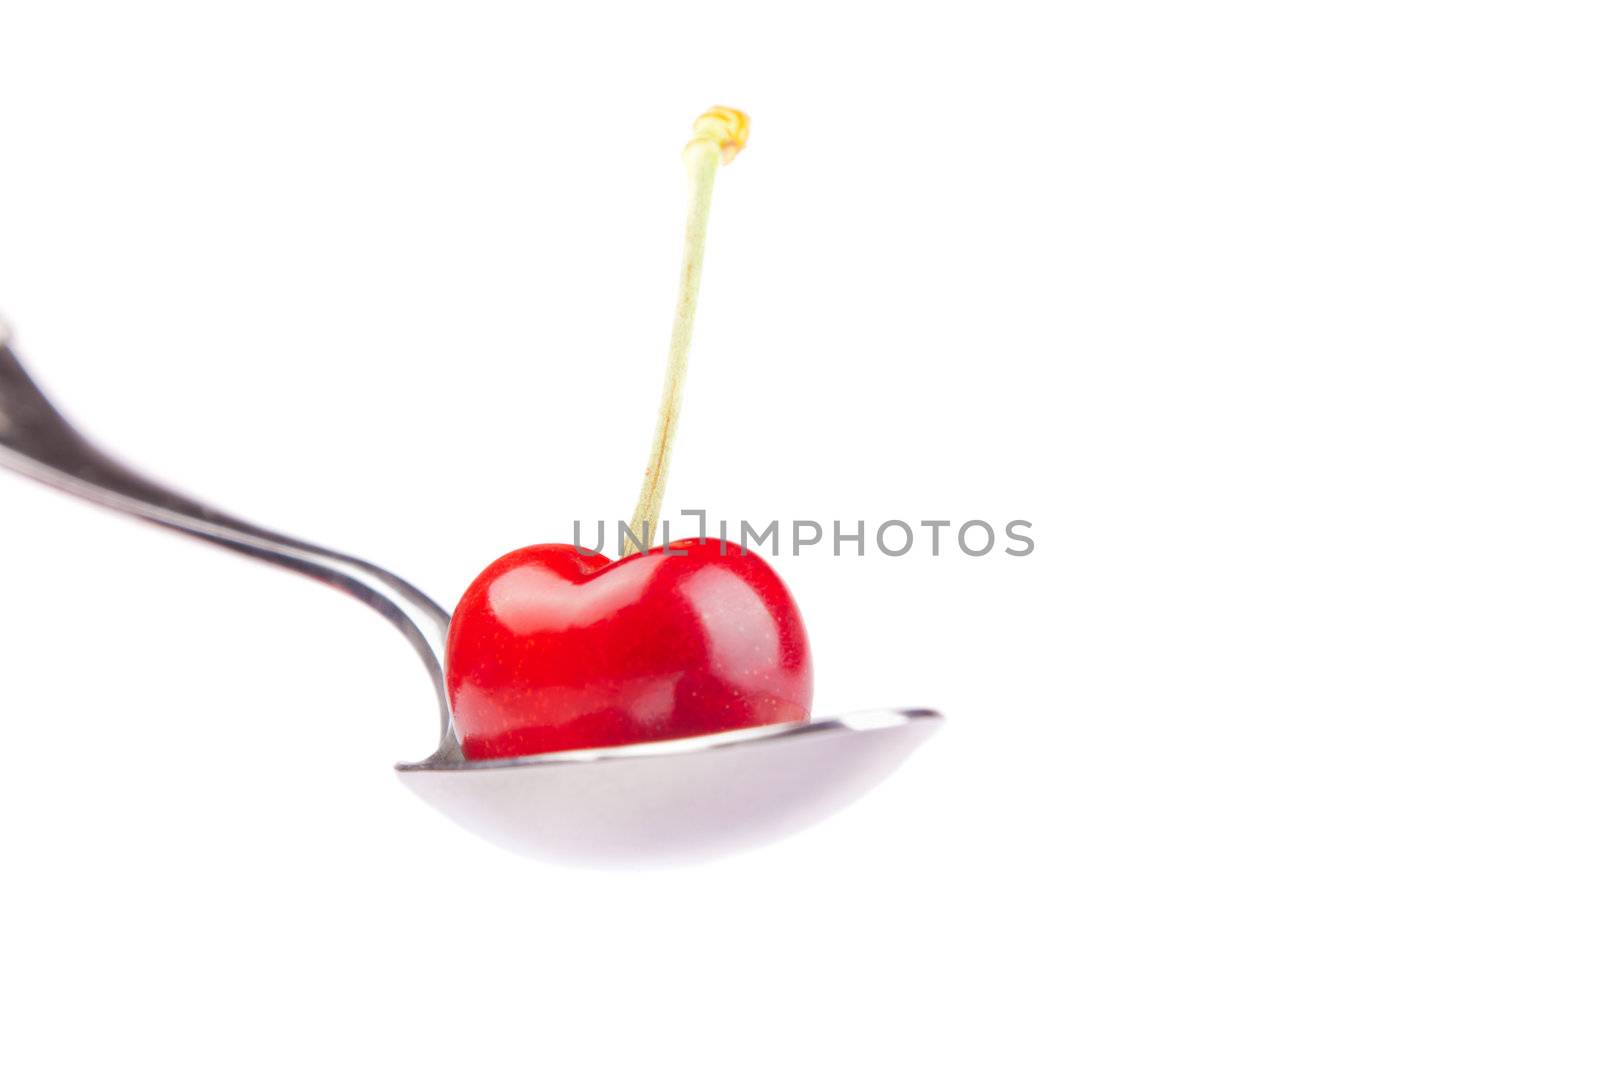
x,y
1277,321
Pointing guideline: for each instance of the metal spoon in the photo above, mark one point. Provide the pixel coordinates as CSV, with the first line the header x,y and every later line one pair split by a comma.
x,y
665,801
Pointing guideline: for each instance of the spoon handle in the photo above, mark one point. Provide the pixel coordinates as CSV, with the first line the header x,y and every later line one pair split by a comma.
x,y
38,441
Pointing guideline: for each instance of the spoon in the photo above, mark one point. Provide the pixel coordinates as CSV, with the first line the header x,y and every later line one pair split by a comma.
x,y
659,802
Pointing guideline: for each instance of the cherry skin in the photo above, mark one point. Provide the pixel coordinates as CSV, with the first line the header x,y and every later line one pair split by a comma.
x,y
554,648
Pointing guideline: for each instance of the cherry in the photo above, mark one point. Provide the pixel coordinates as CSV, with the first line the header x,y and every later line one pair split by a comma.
x,y
553,649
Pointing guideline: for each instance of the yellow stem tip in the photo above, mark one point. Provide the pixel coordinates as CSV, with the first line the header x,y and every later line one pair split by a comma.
x,y
725,128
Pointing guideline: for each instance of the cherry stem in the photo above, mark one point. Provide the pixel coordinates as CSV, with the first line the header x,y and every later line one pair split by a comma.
x,y
719,134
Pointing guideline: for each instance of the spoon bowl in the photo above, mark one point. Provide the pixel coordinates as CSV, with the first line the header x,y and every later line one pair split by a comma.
x,y
661,802
672,801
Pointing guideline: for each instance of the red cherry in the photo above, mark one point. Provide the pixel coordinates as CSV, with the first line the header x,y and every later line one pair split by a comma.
x,y
554,649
